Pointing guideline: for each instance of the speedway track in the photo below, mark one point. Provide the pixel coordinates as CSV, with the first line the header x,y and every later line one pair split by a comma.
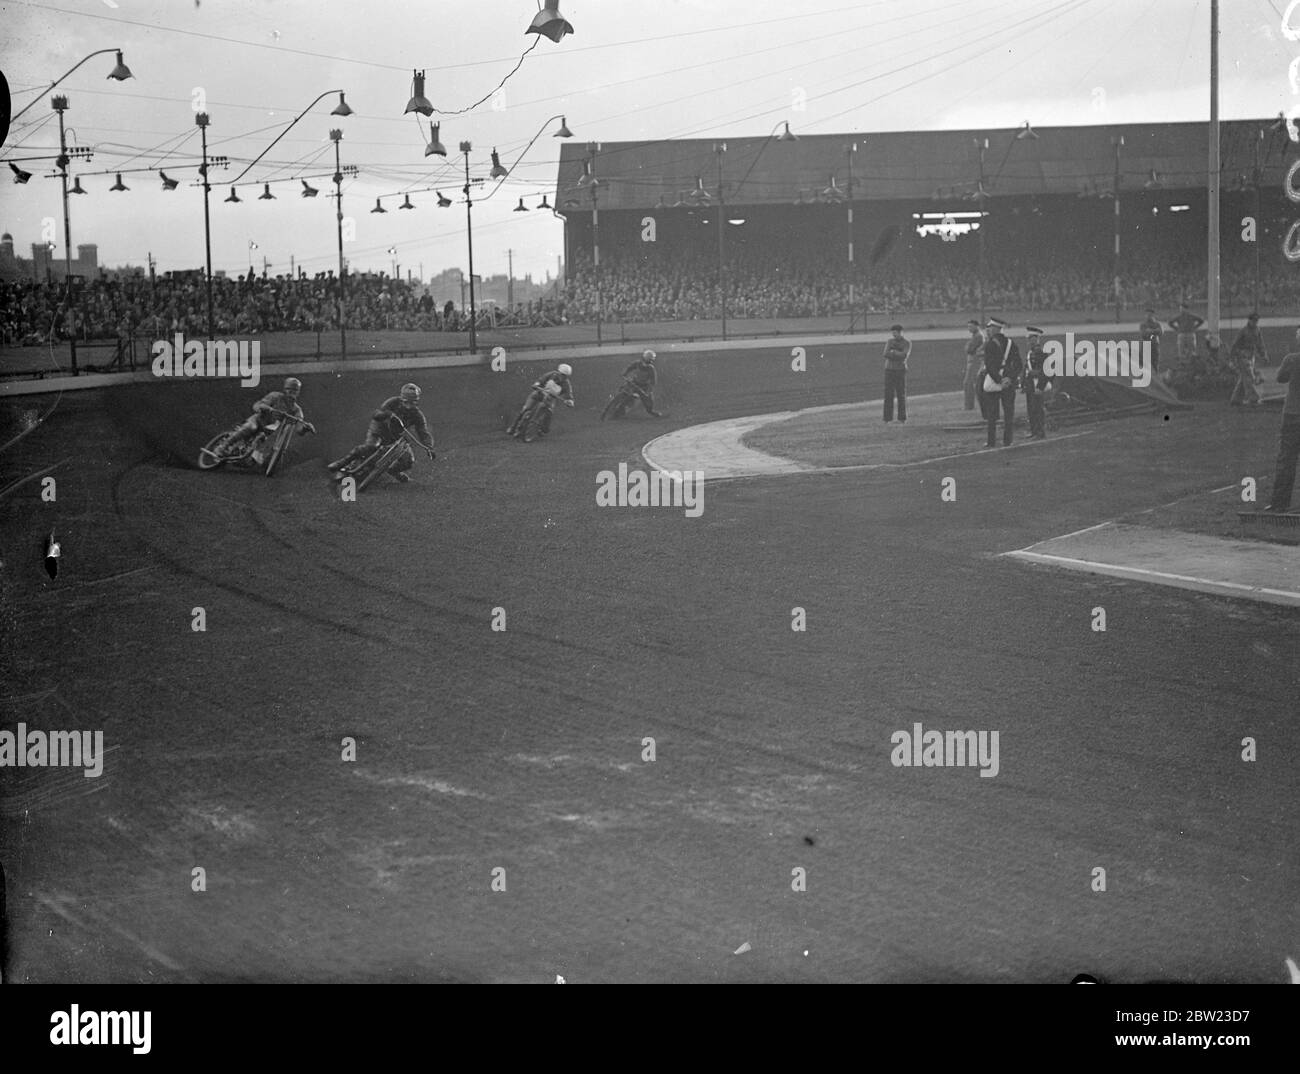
x,y
522,750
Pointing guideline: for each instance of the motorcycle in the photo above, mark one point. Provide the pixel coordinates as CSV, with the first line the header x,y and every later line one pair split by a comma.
x,y
628,394
264,450
535,421
366,471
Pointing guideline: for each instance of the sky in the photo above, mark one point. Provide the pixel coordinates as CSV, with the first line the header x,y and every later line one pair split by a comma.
x,y
630,71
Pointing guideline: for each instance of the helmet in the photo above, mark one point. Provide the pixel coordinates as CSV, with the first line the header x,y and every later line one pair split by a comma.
x,y
564,368
293,385
648,356
410,393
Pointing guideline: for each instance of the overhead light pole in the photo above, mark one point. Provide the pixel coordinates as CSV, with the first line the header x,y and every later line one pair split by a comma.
x,y
465,147
589,180
201,121
336,136
1118,143
719,148
60,105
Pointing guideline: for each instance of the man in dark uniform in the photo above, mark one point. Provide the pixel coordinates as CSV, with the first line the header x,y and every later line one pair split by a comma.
x,y
896,352
974,366
1149,331
1288,446
1186,324
1036,384
1004,366
1248,346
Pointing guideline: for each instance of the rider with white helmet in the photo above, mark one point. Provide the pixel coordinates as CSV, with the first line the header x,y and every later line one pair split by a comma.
x,y
401,411
553,384
265,413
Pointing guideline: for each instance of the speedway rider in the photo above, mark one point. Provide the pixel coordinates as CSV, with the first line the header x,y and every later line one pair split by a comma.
x,y
386,425
559,377
641,374
264,414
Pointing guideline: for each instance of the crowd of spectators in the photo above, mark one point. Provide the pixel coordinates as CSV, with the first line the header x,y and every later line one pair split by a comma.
x,y
764,283
140,308
764,279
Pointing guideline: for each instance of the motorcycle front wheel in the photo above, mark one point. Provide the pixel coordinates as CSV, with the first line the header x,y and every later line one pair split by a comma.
x,y
281,444
611,408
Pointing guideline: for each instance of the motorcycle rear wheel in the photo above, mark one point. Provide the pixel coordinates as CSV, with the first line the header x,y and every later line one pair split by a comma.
x,y
210,456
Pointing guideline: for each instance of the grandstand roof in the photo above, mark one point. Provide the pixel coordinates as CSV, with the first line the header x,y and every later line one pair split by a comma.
x,y
914,165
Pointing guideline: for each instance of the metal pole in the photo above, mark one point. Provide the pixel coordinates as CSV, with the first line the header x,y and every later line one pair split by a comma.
x,y
852,300
1259,224
719,149
202,120
866,275
510,282
595,248
469,230
1212,305
983,145
1119,142
60,105
337,136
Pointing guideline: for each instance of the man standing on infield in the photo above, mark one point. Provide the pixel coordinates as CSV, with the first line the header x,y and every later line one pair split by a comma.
x,y
1288,443
896,352
1003,367
974,366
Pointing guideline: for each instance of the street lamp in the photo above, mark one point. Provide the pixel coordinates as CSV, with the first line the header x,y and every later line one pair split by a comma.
x,y
340,109
119,73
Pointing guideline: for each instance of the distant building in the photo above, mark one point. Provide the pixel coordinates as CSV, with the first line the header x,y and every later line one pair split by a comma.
x,y
48,266
12,268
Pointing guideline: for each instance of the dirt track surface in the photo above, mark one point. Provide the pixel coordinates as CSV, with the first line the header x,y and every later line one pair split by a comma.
x,y
522,750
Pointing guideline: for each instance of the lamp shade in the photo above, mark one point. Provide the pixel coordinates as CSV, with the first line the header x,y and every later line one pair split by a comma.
x,y
435,148
564,131
407,203
342,108
443,200
120,72
266,194
233,196
498,172
308,191
20,176
378,208
119,185
549,22
169,184
521,207
76,187
418,102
